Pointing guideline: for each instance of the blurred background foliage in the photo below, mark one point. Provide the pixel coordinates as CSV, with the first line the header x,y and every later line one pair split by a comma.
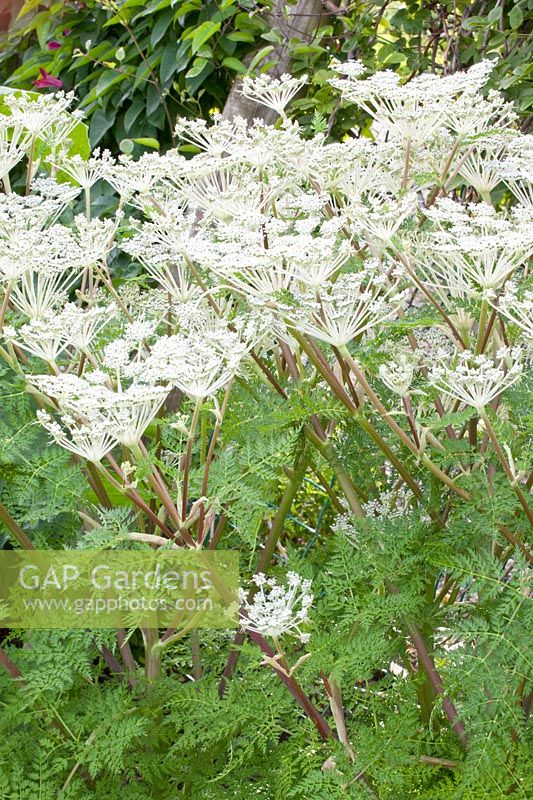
x,y
136,66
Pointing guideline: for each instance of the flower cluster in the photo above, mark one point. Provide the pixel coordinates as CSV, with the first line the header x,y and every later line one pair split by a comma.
x,y
476,380
276,610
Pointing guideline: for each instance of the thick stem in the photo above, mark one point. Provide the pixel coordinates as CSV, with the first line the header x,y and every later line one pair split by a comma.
x,y
5,303
127,656
345,482
29,168
188,458
88,203
15,529
481,326
152,657
295,689
407,164
437,684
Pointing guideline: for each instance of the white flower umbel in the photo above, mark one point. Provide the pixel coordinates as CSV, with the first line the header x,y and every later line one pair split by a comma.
x,y
344,310
124,413
82,325
86,172
516,169
14,144
38,113
135,180
274,93
412,111
160,245
276,610
518,308
398,373
90,441
36,293
477,380
480,169
43,337
378,217
471,252
94,238
200,363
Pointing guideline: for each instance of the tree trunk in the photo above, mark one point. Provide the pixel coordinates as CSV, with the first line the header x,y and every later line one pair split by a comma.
x,y
298,20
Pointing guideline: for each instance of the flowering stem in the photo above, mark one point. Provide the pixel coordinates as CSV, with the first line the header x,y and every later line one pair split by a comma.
x,y
188,457
436,682
441,182
5,303
152,663
324,369
210,456
157,484
31,155
294,687
424,656
505,464
132,495
97,485
408,406
405,176
345,482
88,203
265,558
516,542
425,291
481,326
393,425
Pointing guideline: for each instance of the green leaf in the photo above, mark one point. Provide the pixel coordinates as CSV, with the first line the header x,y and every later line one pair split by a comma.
x,y
105,82
260,56
28,6
147,141
234,63
516,17
203,33
161,26
100,123
198,65
183,56
132,113
240,36
199,71
168,62
153,99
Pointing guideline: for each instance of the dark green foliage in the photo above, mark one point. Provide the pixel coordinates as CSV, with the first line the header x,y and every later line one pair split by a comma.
x,y
148,63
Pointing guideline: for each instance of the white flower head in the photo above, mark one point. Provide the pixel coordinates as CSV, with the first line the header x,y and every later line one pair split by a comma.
x,y
398,373
276,610
349,307
90,441
476,380
274,93
518,308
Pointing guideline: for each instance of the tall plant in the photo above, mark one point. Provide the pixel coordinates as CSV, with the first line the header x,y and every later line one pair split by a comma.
x,y
355,316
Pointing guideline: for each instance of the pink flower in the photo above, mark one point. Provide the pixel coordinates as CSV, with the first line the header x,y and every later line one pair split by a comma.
x,y
47,81
53,45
